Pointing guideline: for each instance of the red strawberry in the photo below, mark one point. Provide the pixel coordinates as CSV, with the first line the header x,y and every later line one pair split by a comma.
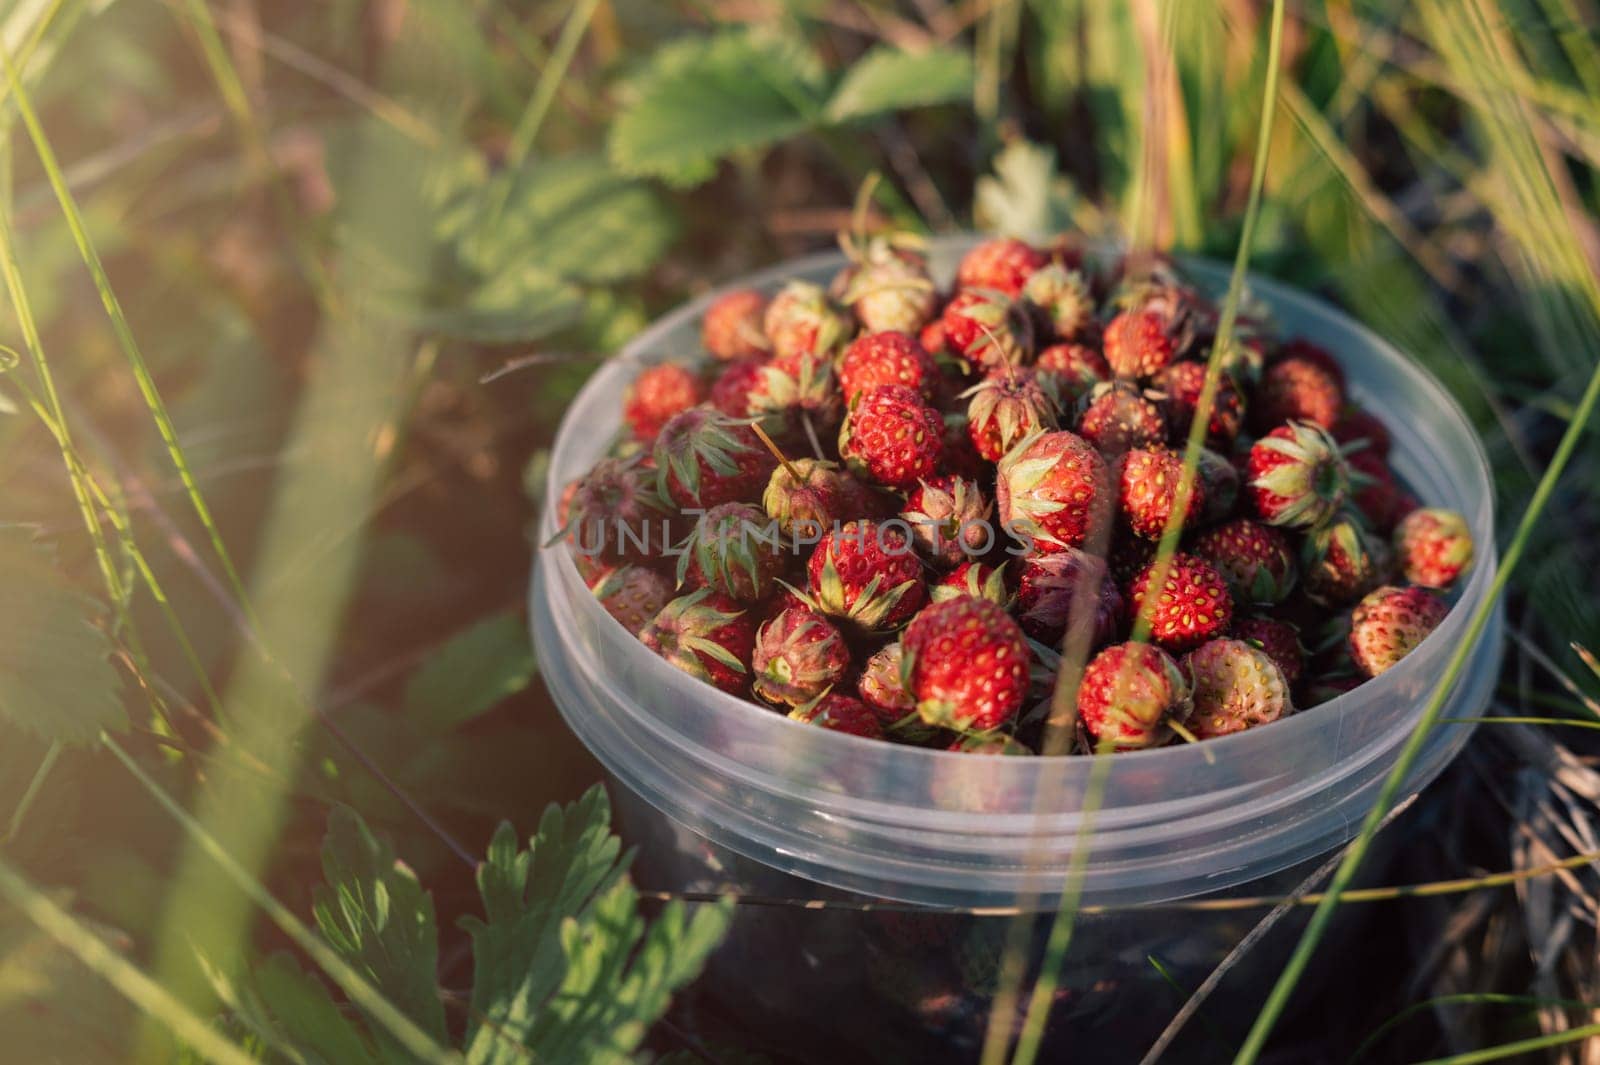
x,y
1003,264
633,595
800,322
976,579
1054,490
1389,624
1434,546
1342,562
1077,368
732,326
1297,476
707,635
657,394
1359,430
1301,348
617,514
1279,639
1119,418
967,661
874,359
1145,339
886,284
1376,493
1236,687
1220,480
734,549
807,497
733,391
1056,589
932,339
950,518
891,437
1063,298
961,459
1193,605
1130,695
1255,559
882,684
840,713
868,574
1296,390
1147,490
798,656
1182,382
1008,405
986,329
703,458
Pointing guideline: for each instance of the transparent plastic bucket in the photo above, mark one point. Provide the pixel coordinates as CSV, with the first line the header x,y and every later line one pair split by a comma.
x,y
945,829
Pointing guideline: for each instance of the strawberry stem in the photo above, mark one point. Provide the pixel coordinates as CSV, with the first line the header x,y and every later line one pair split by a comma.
x,y
777,453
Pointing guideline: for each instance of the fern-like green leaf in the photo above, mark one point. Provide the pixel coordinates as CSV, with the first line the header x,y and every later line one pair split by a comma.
x,y
1026,196
888,79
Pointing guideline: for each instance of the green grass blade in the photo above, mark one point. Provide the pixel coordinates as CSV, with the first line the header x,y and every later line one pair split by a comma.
x,y
1471,999
1525,1046
35,785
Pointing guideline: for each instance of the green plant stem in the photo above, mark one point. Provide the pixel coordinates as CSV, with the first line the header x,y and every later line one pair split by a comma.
x,y
544,93
135,986
1525,1046
1471,999
35,785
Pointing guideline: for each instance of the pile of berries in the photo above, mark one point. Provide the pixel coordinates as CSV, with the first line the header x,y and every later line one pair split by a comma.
x,y
894,511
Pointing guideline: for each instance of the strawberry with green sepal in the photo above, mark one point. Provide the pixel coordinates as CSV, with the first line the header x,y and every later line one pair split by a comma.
x,y
732,326
1118,417
1297,476
633,595
1063,299
734,548
840,713
703,458
888,358
1389,623
616,514
1434,547
966,662
882,684
1003,264
1008,405
1256,560
1142,341
659,392
799,655
1054,490
976,579
707,635
1236,687
801,322
1296,389
1192,606
1076,368
892,438
734,390
807,497
887,285
799,384
950,519
868,574
1342,561
986,329
1054,590
1147,491
1130,696
1278,639
1375,492
1181,383
1361,430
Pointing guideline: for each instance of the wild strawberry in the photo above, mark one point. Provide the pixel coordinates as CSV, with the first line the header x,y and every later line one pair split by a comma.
x,y
807,497
891,437
1256,560
1063,298
1278,639
868,574
1147,491
1297,476
891,358
1142,276
987,329
800,321
960,458
707,635
617,514
882,684
1295,390
1003,264
1054,490
1055,590
734,549
703,458
989,743
1342,562
1128,556
950,518
732,326
1219,479
1236,687
840,713
1076,368
733,391
1181,382
798,656
886,286
1119,418
1193,605
633,595
659,392
1359,430
1129,696
1312,352
1008,405
932,338
976,579
1434,546
1389,623
1327,687
1142,341
1243,358
967,663
1377,495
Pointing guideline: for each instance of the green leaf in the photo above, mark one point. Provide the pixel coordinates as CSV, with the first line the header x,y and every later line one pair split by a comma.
x,y
374,913
887,79
524,303
55,678
1026,196
700,98
470,674
291,1013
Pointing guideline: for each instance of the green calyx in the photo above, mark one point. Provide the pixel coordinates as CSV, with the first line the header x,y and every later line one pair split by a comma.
x,y
711,445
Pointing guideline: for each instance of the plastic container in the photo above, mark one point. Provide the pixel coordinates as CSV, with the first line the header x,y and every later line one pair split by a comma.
x,y
727,795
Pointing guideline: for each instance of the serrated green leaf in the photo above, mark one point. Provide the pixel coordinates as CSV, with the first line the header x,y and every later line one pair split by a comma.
x,y
888,79
470,674
1026,196
55,678
306,1015
700,98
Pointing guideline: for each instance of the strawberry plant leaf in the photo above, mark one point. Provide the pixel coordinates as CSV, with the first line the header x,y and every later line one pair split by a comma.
x,y
1026,196
524,303
290,1013
470,674
888,79
700,98
56,681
